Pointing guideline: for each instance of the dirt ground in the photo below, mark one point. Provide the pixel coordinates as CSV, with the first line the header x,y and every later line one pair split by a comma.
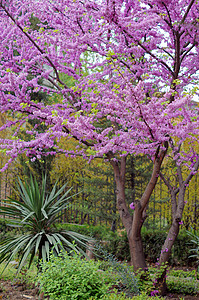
x,y
17,291
14,291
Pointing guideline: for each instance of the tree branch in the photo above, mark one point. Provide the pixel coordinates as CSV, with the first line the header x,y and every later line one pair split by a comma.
x,y
38,48
191,174
154,177
187,11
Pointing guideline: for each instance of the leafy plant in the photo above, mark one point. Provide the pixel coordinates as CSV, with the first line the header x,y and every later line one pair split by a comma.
x,y
184,274
148,280
186,286
195,241
123,296
127,282
70,277
38,212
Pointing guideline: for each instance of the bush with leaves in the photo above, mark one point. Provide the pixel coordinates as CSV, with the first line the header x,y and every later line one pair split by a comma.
x,y
71,277
185,286
184,274
123,296
37,212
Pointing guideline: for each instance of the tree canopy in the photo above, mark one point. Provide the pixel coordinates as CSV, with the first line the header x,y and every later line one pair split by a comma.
x,y
122,70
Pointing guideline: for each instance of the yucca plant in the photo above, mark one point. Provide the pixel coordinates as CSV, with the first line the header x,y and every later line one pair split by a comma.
x,y
37,213
195,240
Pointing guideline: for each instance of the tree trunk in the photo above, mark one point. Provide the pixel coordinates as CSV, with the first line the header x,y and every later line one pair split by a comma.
x,y
133,224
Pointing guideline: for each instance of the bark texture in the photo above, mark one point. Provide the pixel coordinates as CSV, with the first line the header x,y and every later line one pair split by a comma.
x,y
133,223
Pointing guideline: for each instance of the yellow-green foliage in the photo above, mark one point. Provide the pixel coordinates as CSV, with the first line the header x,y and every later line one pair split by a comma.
x,y
160,204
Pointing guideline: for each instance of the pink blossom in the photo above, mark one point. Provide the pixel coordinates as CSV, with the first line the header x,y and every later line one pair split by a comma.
x,y
154,293
132,206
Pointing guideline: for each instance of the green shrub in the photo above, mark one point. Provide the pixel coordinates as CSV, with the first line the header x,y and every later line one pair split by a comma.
x,y
184,274
144,296
117,243
185,286
123,296
147,279
70,277
114,295
152,243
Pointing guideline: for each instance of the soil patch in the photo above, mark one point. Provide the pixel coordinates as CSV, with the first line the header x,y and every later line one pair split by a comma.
x,y
14,291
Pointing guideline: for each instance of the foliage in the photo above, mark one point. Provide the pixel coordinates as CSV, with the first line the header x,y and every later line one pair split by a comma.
x,y
123,296
26,276
144,296
99,232
195,241
122,272
153,240
37,212
185,286
71,277
125,127
184,274
147,279
116,243
96,201
9,273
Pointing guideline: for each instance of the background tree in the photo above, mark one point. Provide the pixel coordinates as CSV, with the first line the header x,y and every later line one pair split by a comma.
x,y
136,97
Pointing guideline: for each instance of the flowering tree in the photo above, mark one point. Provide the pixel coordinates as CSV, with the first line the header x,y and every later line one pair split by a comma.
x,y
122,75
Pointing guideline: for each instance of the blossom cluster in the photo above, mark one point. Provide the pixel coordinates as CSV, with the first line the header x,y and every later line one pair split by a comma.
x,y
111,71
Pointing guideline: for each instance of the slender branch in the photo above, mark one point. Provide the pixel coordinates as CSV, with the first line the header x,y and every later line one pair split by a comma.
x,y
187,11
86,143
156,58
145,122
173,194
185,53
166,181
78,22
191,174
154,177
170,21
166,52
38,48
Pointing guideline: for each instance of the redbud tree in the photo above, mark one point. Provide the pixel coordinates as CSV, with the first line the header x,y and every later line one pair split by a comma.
x,y
120,76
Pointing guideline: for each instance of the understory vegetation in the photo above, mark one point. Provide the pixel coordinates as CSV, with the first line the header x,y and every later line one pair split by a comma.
x,y
108,277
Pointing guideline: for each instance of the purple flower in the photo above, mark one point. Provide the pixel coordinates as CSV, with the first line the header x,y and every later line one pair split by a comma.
x,y
181,222
154,293
132,206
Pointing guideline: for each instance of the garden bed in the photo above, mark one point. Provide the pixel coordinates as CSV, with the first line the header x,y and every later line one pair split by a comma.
x,y
17,291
